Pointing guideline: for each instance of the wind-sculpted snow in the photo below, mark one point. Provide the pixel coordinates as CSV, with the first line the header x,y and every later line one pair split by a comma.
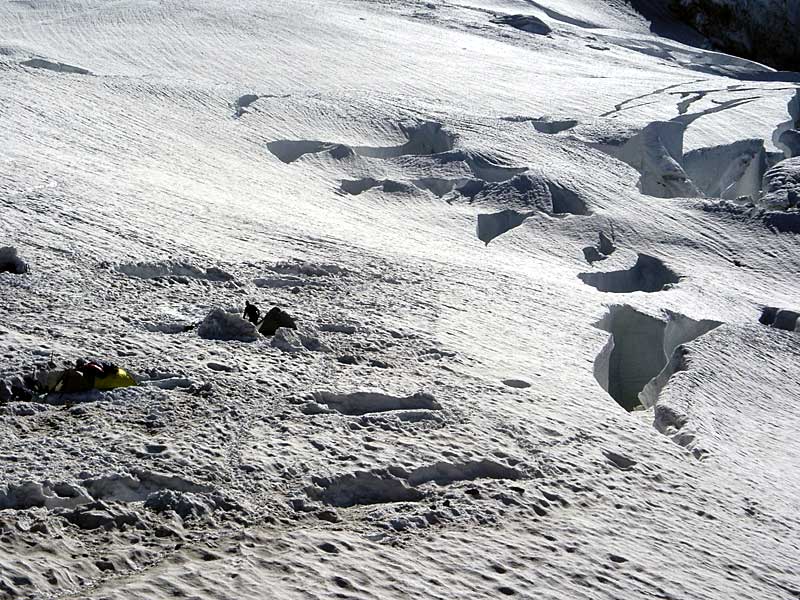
x,y
532,191
731,172
387,185
422,139
289,151
42,63
445,420
657,153
782,186
545,124
527,23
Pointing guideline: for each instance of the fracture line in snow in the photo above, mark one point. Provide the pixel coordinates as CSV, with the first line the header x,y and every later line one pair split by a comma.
x,y
624,104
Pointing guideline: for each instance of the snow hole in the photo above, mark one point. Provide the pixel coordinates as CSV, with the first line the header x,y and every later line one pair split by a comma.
x,y
649,274
642,353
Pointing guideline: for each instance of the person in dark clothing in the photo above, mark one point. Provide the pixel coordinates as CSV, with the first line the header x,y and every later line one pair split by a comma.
x,y
274,319
251,312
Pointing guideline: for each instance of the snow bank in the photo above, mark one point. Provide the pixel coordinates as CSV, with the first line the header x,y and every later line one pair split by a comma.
x,y
731,171
180,271
657,153
58,67
787,135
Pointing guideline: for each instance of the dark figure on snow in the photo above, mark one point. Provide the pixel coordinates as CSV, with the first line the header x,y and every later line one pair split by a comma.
x,y
274,319
251,312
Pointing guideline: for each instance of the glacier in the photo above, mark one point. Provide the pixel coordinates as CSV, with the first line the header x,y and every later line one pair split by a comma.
x,y
480,400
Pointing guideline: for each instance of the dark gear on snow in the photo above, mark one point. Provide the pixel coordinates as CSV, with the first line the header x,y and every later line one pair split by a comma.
x,y
274,319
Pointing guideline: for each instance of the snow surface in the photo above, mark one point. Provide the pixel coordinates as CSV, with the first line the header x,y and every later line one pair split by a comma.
x,y
439,425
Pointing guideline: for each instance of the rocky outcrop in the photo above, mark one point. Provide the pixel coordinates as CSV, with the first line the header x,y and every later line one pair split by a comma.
x,y
762,30
10,261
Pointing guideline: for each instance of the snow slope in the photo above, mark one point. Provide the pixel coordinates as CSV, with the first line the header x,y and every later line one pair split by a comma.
x,y
444,423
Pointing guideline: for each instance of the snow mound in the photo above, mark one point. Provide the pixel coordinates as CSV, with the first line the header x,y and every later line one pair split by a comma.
x,y
440,186
168,327
396,484
530,191
222,325
308,269
445,473
100,515
10,261
279,282
782,186
424,138
178,271
30,494
287,340
363,488
138,485
187,505
338,328
546,125
485,167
